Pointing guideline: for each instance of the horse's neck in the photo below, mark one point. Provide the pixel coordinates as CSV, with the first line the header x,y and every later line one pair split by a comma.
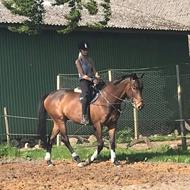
x,y
115,92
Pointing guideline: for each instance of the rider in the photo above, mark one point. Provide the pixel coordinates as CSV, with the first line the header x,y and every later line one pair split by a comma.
x,y
87,77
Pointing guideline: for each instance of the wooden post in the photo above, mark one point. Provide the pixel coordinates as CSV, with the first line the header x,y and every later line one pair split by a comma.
x,y
135,115
109,76
182,127
58,87
6,126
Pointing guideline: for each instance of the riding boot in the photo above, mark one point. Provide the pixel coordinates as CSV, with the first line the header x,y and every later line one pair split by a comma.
x,y
84,120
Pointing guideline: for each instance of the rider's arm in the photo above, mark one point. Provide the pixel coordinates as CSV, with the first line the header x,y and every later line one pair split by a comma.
x,y
95,73
97,76
94,70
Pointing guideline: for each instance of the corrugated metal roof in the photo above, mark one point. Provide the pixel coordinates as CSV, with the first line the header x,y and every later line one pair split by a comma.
x,y
126,14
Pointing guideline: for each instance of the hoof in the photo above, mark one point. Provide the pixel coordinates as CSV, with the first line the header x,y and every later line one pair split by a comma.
x,y
49,163
86,163
77,159
83,164
116,163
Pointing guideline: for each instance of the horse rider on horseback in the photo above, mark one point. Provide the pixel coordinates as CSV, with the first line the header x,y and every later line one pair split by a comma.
x,y
87,77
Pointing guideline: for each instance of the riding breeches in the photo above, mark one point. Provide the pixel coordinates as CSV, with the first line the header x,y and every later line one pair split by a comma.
x,y
85,86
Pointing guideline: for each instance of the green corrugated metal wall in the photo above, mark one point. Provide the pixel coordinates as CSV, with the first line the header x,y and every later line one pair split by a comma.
x,y
29,64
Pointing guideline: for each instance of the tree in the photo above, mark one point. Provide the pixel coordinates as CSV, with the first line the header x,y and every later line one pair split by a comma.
x,y
33,11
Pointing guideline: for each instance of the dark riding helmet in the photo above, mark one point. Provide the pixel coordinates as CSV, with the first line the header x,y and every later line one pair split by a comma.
x,y
83,45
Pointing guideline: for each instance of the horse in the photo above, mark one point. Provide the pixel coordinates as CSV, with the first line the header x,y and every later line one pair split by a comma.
x,y
64,104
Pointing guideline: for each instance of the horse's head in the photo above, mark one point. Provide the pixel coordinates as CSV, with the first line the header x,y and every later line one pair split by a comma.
x,y
127,86
134,91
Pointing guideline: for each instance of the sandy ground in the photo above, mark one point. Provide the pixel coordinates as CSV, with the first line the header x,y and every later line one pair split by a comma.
x,y
35,175
101,175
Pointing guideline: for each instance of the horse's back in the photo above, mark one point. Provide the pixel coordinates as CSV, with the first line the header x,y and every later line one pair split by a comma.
x,y
59,94
62,102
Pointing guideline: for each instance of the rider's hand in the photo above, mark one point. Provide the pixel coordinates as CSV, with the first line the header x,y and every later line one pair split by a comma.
x,y
95,81
97,75
85,77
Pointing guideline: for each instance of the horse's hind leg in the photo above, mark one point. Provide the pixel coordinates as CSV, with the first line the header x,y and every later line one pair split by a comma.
x,y
65,140
50,142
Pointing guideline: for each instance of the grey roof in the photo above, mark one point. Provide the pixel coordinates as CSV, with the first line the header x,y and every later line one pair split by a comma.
x,y
176,10
126,14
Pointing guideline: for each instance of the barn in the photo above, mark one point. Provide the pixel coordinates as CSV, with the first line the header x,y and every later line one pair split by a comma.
x,y
152,39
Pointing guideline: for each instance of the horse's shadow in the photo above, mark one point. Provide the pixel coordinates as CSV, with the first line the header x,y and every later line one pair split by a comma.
x,y
132,157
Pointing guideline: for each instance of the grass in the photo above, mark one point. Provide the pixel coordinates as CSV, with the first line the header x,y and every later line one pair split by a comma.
x,y
162,154
164,138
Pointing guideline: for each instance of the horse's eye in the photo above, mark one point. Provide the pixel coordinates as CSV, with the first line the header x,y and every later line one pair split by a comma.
x,y
134,88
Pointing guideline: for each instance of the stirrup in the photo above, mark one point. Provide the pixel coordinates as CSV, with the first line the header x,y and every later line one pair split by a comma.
x,y
84,120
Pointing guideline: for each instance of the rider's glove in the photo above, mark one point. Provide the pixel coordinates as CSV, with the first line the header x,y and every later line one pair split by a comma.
x,y
95,81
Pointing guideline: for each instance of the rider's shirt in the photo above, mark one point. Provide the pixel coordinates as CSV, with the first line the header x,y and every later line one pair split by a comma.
x,y
87,68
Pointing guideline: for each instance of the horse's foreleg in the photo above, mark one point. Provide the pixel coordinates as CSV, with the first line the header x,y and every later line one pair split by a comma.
x,y
100,145
65,140
50,141
98,134
112,145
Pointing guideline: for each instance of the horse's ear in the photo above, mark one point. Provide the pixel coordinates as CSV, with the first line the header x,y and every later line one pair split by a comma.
x,y
134,76
142,75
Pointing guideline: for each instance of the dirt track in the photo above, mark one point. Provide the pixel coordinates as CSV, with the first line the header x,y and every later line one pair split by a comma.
x,y
35,175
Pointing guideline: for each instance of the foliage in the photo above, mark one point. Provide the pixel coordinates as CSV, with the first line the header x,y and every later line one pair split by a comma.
x,y
124,136
34,10
91,6
107,11
7,151
77,6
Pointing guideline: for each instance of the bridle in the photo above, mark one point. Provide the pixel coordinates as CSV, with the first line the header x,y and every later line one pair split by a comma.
x,y
113,105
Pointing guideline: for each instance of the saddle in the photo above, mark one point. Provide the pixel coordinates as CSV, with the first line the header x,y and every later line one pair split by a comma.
x,y
95,94
95,91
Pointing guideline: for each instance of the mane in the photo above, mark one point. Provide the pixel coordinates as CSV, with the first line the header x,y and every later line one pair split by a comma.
x,y
123,77
101,85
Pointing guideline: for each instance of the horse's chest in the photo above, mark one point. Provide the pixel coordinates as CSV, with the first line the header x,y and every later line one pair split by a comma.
x,y
112,117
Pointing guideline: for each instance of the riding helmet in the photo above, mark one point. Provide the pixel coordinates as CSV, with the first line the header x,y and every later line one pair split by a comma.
x,y
83,45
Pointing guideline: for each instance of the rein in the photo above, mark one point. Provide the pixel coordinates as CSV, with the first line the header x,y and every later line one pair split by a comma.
x,y
105,96
112,104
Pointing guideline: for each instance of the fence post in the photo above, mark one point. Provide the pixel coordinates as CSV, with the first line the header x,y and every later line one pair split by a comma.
x,y
136,126
109,75
183,138
58,87
6,126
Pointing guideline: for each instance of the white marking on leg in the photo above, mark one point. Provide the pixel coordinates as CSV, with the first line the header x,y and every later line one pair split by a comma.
x,y
74,154
47,156
94,156
113,156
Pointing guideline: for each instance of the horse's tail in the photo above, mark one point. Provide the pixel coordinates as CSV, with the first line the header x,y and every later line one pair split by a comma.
x,y
42,116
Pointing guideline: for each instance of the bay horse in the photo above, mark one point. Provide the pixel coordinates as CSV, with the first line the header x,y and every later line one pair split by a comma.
x,y
63,105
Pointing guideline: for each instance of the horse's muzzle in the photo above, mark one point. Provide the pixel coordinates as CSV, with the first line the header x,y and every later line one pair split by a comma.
x,y
138,105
